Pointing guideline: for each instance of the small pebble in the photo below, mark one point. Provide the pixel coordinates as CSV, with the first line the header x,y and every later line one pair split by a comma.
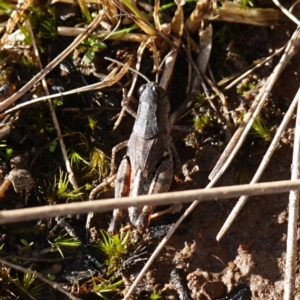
x,y
213,289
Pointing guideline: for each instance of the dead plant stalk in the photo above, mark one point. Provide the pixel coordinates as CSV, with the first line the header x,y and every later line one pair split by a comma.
x,y
53,114
35,213
54,285
291,248
261,167
93,25
241,133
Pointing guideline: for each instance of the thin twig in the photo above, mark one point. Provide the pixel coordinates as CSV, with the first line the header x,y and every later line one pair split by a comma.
x,y
287,13
202,61
102,205
291,248
34,259
110,79
119,35
39,276
257,65
51,65
241,133
293,6
93,193
53,114
140,52
261,167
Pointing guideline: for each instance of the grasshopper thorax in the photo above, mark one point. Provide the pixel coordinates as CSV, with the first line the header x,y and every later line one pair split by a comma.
x,y
153,111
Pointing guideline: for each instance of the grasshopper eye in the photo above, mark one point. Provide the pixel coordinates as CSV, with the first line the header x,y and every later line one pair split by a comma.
x,y
159,91
141,89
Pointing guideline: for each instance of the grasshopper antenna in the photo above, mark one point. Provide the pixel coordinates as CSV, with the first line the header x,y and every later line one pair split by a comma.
x,y
131,69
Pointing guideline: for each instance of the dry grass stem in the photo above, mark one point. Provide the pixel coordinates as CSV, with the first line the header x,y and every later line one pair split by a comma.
x,y
287,13
140,52
109,80
249,71
124,37
261,167
53,114
233,12
205,37
54,285
291,248
241,133
34,213
51,65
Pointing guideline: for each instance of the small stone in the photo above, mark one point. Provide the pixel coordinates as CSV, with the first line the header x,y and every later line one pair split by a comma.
x,y
21,180
213,289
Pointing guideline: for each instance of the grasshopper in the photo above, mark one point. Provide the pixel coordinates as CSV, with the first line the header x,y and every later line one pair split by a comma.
x,y
147,167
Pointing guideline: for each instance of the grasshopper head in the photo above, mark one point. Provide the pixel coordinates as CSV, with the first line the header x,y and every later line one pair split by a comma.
x,y
153,93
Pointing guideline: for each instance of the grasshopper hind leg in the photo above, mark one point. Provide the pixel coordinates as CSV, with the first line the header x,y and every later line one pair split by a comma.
x,y
160,183
121,190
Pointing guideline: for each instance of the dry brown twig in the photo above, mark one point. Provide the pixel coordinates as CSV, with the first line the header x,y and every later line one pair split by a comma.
x,y
241,133
250,69
92,26
109,80
205,36
274,144
53,114
102,205
140,52
128,37
39,276
287,13
291,249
